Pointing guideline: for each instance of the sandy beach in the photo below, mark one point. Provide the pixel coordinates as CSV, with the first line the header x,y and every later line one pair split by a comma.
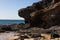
x,y
8,36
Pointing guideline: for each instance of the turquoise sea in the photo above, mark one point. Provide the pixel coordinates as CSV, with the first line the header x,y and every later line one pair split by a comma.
x,y
6,22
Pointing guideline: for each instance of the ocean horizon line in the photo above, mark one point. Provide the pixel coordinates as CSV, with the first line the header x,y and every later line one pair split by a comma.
x,y
11,19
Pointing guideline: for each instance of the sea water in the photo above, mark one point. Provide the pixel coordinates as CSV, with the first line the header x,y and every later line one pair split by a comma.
x,y
6,22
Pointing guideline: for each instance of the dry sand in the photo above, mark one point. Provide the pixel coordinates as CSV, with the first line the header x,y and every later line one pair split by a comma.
x,y
8,36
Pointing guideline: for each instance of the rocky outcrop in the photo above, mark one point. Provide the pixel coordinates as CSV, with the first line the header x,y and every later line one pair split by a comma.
x,y
13,27
43,14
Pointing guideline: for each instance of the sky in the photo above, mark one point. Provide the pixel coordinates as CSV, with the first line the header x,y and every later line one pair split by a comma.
x,y
9,8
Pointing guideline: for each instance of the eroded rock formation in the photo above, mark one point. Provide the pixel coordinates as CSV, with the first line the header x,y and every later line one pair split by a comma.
x,y
43,14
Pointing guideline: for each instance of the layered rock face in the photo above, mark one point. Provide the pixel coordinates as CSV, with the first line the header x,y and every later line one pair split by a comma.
x,y
43,14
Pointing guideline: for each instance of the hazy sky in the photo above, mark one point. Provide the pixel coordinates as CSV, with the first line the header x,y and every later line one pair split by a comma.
x,y
9,8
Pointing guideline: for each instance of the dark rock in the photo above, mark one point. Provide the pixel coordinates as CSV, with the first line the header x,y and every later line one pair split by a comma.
x,y
42,17
43,14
